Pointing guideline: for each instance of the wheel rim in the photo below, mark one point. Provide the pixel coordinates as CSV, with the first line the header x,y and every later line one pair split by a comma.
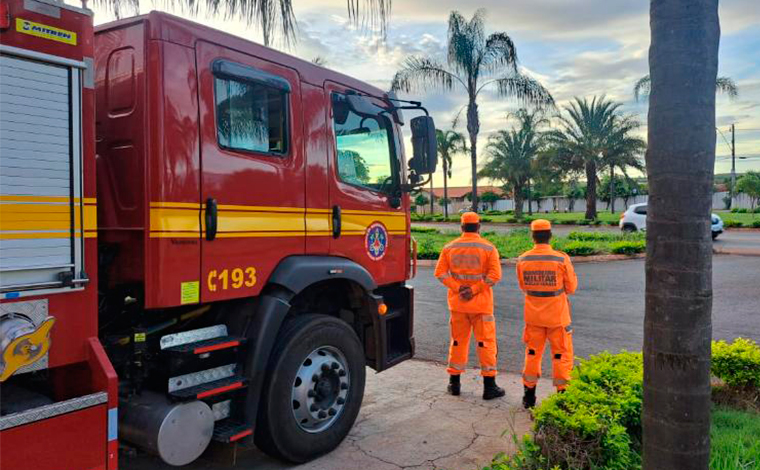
x,y
320,389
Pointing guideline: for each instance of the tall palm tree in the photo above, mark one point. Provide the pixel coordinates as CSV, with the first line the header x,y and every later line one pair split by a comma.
x,y
475,62
624,151
511,154
275,17
449,143
722,84
584,136
680,158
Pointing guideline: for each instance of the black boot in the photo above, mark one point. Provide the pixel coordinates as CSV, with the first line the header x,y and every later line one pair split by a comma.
x,y
455,387
529,397
491,390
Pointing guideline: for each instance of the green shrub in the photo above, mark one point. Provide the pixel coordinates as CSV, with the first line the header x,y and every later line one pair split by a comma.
x,y
741,211
628,247
756,223
416,229
511,220
580,248
486,219
567,222
612,223
592,236
584,222
494,213
757,210
595,424
732,223
738,363
734,210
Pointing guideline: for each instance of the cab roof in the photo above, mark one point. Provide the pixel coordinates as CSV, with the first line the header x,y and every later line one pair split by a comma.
x,y
170,28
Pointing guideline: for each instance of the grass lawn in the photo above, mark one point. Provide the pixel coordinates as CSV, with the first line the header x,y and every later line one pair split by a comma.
x,y
515,242
735,441
744,219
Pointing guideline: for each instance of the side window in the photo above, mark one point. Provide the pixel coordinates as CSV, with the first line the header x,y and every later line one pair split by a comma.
x,y
641,210
364,147
251,115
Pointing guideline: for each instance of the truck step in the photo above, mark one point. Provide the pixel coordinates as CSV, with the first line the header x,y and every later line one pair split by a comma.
x,y
228,431
207,345
210,389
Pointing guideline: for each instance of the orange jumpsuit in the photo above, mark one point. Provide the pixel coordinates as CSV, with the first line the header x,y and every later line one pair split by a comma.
x,y
547,277
473,261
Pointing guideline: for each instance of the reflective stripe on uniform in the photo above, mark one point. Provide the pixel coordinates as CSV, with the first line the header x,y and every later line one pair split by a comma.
x,y
530,378
468,277
445,276
487,368
538,293
560,382
456,366
470,245
558,259
489,281
488,318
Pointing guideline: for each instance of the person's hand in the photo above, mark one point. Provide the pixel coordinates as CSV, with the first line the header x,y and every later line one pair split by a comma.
x,y
465,293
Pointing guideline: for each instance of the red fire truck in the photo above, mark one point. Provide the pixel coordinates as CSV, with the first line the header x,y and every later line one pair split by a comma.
x,y
200,239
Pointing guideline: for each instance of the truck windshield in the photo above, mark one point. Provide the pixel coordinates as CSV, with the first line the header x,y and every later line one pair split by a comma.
x,y
364,150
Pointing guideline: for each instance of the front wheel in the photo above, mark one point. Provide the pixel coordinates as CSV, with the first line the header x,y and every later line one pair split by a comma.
x,y
715,235
629,228
314,389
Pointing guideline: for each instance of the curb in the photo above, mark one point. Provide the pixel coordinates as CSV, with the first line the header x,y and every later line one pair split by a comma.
x,y
575,259
736,251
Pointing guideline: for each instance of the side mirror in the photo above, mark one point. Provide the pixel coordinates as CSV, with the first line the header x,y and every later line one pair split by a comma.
x,y
425,151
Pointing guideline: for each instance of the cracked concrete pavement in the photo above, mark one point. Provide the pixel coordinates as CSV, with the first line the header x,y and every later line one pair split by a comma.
x,y
407,421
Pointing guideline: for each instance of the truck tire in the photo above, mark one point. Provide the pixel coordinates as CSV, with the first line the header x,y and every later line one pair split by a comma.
x,y
313,390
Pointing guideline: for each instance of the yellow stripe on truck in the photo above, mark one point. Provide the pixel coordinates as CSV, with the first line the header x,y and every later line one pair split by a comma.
x,y
45,217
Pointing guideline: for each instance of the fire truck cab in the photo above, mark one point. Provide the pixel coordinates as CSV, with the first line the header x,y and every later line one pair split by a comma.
x,y
222,226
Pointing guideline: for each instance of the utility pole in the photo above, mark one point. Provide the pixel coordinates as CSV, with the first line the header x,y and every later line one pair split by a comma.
x,y
733,163
432,197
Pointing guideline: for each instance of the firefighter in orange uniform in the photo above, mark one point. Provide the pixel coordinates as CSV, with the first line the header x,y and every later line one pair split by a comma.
x,y
546,277
469,266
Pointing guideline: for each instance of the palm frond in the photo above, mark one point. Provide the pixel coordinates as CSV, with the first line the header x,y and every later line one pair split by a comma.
x,y
466,41
419,73
726,85
275,17
499,53
641,87
524,89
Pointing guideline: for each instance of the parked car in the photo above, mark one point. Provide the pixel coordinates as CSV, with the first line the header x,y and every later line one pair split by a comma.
x,y
635,219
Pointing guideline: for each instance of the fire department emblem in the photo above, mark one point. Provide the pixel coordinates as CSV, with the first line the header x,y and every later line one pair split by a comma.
x,y
376,241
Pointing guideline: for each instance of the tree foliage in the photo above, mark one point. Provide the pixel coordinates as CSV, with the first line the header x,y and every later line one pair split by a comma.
x,y
749,184
725,85
275,17
475,61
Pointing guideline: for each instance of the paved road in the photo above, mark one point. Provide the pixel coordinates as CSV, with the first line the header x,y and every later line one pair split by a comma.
x,y
608,310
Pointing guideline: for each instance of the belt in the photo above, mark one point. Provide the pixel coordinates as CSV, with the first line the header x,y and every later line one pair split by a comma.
x,y
539,293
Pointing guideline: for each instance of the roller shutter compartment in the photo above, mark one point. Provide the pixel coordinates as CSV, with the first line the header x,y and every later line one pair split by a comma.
x,y
40,175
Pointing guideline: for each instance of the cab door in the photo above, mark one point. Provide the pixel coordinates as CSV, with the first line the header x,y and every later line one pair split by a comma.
x,y
252,186
369,222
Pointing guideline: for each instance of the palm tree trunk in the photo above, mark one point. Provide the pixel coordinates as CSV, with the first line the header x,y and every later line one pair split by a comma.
x,y
683,60
612,189
591,190
473,128
445,190
518,201
432,198
530,199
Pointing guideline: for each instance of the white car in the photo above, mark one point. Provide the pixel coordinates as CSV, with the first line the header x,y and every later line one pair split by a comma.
x,y
635,219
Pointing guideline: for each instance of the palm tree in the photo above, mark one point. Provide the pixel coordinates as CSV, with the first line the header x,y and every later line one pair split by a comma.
x,y
722,84
624,150
449,144
474,62
511,154
275,17
680,158
586,135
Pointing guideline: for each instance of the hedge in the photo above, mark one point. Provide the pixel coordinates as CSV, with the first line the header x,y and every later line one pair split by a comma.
x,y
628,247
596,423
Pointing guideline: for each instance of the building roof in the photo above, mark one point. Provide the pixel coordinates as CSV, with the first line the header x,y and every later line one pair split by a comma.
x,y
457,192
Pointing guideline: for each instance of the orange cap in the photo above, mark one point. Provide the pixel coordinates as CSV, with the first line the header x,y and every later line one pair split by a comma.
x,y
470,218
540,225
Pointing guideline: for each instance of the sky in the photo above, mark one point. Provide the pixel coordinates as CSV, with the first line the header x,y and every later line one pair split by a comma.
x,y
575,48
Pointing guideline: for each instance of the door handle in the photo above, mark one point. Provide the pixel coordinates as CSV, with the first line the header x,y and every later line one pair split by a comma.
x,y
336,221
211,218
